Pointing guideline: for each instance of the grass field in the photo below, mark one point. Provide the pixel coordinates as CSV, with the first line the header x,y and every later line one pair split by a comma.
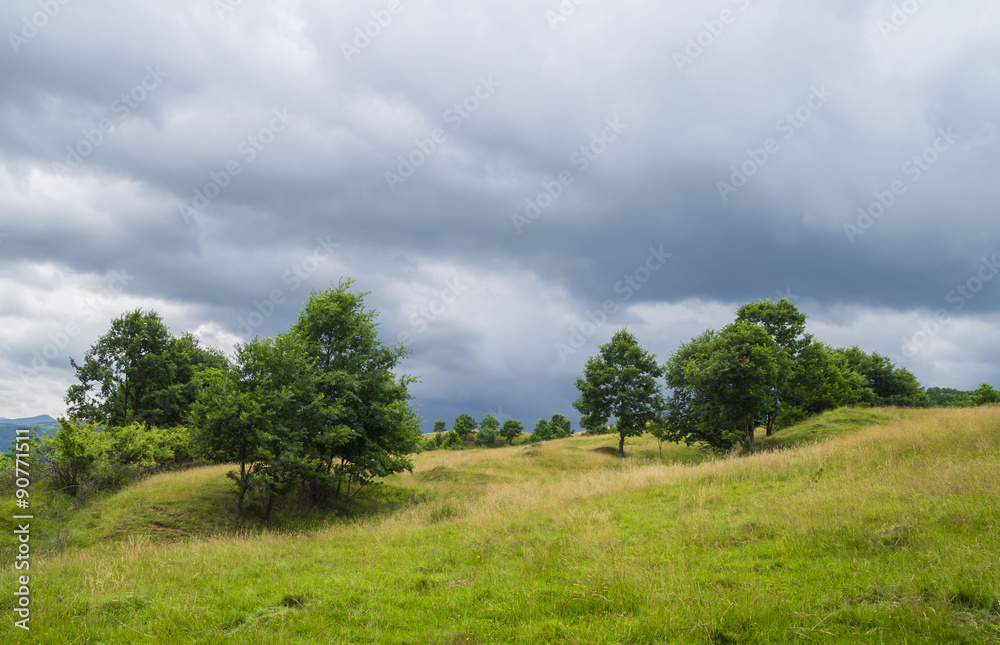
x,y
861,526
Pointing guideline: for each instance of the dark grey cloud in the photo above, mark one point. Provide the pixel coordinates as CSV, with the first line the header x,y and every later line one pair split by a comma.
x,y
539,159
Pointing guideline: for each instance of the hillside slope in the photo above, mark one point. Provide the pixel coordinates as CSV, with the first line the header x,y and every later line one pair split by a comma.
x,y
886,534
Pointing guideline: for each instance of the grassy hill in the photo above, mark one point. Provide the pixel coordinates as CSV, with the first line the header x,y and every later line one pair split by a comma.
x,y
861,526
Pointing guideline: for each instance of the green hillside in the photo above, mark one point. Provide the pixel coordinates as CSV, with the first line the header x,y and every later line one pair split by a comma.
x,y
859,526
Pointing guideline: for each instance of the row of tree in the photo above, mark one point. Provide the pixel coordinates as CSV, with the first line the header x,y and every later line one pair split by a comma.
x,y
466,431
318,408
762,370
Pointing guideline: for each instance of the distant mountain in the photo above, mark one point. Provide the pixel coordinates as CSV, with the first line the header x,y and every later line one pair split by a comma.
x,y
42,419
9,427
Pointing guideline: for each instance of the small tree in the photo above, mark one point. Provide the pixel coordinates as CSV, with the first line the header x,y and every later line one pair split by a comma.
x,y
620,382
663,430
560,427
985,395
440,426
541,431
70,454
489,423
452,441
465,425
486,436
511,430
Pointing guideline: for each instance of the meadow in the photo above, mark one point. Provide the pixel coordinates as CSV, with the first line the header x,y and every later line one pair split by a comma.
x,y
857,526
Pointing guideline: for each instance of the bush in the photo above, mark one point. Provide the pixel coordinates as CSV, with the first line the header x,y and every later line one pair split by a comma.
x,y
486,437
452,441
70,455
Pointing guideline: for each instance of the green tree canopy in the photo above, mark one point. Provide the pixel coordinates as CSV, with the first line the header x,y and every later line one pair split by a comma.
x,y
560,427
511,430
883,384
138,373
786,326
621,382
490,422
465,425
357,376
723,385
985,395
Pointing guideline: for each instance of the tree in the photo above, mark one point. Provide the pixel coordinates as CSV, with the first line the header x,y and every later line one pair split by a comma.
x,y
69,455
985,395
620,382
883,384
560,427
541,431
511,430
488,429
465,425
267,415
819,380
120,370
723,385
358,379
486,436
440,426
786,326
138,373
664,430
489,423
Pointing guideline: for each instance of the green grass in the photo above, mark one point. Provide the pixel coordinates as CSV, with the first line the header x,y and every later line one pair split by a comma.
x,y
857,533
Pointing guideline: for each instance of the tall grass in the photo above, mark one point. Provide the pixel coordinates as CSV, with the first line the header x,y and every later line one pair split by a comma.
x,y
884,534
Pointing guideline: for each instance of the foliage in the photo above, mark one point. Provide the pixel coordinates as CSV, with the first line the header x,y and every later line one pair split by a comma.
x,y
511,430
486,436
373,430
541,431
560,427
68,457
465,425
985,395
786,325
883,383
620,382
440,426
947,397
266,415
819,380
452,441
723,383
138,373
490,422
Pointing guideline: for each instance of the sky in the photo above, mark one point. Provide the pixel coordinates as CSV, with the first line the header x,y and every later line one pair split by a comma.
x,y
512,182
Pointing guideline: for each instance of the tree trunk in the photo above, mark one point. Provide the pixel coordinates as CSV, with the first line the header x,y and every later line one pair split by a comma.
x,y
770,423
621,445
270,505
